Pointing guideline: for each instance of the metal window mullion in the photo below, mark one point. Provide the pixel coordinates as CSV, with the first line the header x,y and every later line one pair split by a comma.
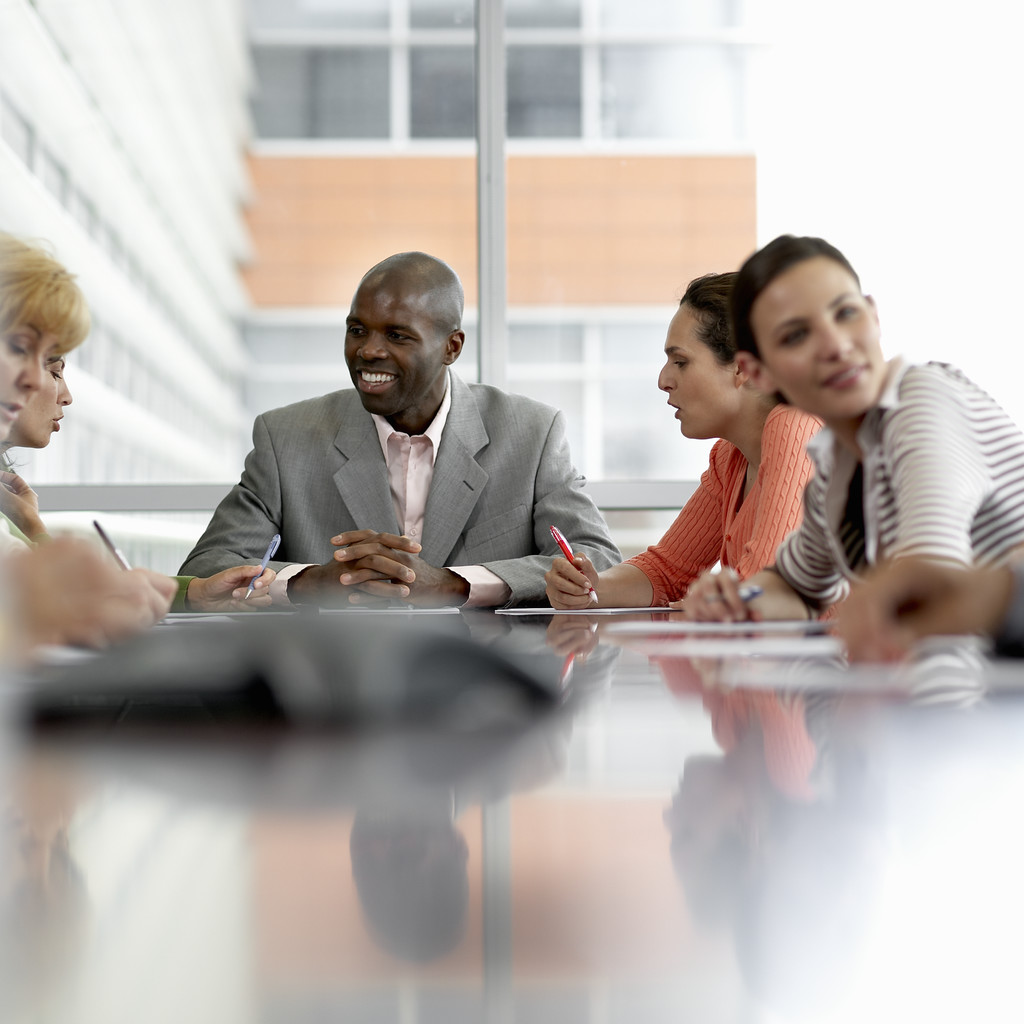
x,y
491,202
593,404
399,77
312,93
401,95
590,70
590,96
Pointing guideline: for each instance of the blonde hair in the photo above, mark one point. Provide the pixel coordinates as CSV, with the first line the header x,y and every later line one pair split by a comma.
x,y
36,291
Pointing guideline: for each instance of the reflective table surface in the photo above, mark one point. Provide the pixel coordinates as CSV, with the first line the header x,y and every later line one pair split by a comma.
x,y
690,834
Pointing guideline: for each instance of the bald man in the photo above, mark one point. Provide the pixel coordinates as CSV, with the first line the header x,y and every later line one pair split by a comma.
x,y
415,486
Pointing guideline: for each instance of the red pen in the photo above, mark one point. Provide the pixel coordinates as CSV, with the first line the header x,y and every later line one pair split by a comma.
x,y
567,551
566,674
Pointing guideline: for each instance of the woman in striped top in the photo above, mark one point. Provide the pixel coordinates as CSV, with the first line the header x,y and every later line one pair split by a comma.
x,y
748,499
914,460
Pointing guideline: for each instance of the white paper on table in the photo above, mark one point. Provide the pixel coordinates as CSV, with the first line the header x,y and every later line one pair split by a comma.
x,y
61,654
204,618
595,610
394,610
740,646
685,627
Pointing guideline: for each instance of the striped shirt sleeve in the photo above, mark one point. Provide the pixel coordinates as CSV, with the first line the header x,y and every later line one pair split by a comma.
x,y
943,478
937,469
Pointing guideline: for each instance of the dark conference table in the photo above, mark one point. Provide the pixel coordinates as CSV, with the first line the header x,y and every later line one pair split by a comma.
x,y
692,833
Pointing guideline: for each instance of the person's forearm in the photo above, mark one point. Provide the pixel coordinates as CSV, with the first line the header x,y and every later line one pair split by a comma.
x,y
29,522
34,528
779,600
1009,626
624,586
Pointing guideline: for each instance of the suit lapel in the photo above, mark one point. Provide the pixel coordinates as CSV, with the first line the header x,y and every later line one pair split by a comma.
x,y
362,481
458,479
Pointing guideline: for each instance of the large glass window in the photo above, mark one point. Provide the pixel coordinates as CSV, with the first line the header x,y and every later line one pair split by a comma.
x,y
663,16
627,197
676,84
352,90
544,92
442,101
544,344
281,101
542,13
271,15
441,13
322,93
690,93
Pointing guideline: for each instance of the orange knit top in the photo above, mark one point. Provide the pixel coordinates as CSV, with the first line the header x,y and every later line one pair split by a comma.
x,y
718,525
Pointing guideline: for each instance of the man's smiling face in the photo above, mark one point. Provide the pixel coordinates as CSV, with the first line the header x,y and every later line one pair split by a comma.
x,y
398,349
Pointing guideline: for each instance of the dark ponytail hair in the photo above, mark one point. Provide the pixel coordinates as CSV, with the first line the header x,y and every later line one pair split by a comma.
x,y
708,298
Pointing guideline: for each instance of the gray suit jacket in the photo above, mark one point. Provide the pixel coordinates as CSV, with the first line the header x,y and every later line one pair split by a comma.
x,y
502,477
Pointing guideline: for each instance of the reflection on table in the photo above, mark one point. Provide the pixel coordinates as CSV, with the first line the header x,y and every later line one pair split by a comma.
x,y
708,838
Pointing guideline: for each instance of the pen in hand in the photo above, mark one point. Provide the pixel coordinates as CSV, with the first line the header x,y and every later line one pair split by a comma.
x,y
567,551
271,548
747,592
118,557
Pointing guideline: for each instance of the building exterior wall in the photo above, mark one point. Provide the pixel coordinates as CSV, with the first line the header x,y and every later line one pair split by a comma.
x,y
582,229
111,157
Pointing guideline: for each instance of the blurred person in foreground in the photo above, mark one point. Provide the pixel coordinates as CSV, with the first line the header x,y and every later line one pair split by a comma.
x,y
63,591
912,598
750,495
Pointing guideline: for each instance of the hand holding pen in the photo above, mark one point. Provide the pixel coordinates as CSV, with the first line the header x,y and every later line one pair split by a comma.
x,y
721,597
272,547
571,559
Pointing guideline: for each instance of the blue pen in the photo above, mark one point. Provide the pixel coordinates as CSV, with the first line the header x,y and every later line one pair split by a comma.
x,y
271,548
748,591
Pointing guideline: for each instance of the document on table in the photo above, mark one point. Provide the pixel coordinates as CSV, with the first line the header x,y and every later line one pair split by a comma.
x,y
178,618
181,618
684,627
595,610
61,654
393,610
736,646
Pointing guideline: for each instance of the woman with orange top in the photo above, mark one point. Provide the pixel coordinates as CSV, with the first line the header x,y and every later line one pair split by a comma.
x,y
749,497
